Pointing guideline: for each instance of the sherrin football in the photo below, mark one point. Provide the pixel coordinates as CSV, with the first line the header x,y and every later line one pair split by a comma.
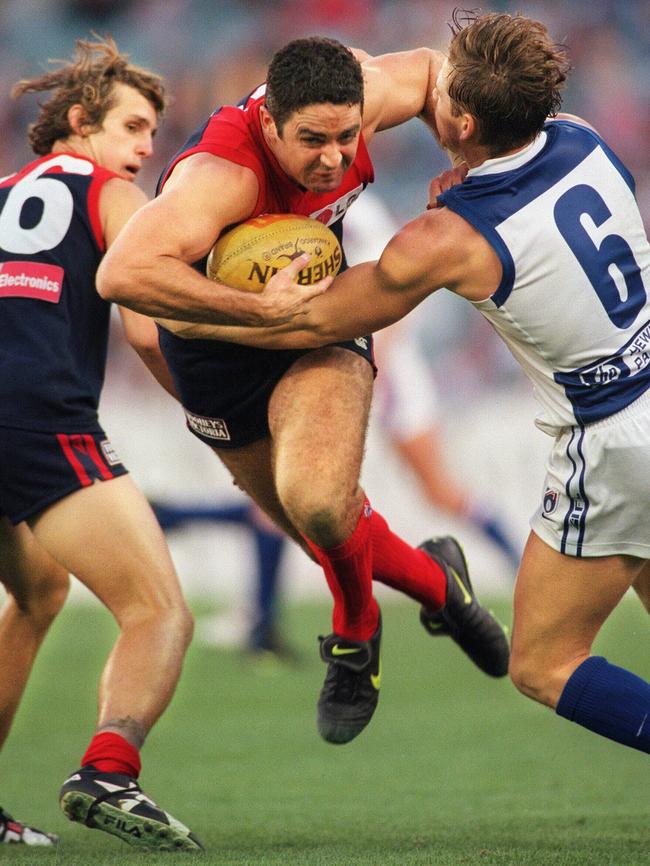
x,y
248,255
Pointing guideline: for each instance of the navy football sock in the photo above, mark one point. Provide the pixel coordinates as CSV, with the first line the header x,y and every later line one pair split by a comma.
x,y
269,547
610,701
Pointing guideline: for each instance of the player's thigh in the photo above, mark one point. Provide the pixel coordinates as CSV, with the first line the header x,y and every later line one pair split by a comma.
x,y
251,469
561,601
26,568
318,416
642,585
108,537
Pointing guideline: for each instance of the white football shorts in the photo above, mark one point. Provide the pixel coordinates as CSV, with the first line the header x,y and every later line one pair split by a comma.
x,y
596,494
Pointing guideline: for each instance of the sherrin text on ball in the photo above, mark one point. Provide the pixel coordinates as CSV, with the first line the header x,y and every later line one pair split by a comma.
x,y
248,255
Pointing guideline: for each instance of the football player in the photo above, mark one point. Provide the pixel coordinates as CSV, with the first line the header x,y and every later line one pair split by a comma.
x,y
544,237
290,426
67,503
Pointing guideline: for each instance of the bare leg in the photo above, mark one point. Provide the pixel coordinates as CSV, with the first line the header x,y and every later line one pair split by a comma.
x,y
318,417
37,587
423,454
560,604
108,537
642,586
307,477
251,469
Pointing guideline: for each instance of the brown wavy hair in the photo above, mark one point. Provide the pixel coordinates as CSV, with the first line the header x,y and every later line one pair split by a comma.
x,y
88,80
507,73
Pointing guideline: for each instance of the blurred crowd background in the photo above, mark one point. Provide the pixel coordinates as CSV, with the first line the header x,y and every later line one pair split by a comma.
x,y
213,52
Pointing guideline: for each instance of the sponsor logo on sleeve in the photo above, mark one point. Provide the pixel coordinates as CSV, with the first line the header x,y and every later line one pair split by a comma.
x,y
31,280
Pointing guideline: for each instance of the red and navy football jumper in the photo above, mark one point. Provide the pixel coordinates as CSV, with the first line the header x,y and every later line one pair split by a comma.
x,y
53,333
225,388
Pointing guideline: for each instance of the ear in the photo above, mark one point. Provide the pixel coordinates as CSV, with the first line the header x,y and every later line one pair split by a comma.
x,y
468,127
268,124
77,120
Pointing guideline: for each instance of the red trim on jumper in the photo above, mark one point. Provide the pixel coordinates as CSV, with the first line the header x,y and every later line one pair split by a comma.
x,y
94,190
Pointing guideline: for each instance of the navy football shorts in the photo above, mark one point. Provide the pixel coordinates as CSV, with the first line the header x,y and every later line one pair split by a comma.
x,y
225,388
38,468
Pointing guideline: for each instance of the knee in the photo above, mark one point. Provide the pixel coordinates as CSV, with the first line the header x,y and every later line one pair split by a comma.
x,y
321,517
185,625
177,622
642,588
534,679
164,617
326,527
322,524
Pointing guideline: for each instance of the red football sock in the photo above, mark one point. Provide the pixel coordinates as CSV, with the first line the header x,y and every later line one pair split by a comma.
x,y
111,753
406,568
348,570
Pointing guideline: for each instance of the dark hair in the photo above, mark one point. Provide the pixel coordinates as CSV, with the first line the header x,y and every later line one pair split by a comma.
x,y
88,80
310,71
507,73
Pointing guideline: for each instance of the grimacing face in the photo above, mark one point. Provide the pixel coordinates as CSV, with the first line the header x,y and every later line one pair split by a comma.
x,y
317,145
125,138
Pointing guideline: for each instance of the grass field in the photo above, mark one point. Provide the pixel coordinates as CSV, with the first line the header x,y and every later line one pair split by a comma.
x,y
454,769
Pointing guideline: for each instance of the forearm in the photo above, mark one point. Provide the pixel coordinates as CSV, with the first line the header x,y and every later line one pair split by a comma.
x,y
170,289
436,59
287,336
358,303
142,335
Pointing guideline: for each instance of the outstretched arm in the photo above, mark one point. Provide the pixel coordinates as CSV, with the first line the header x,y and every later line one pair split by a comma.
x,y
438,249
363,299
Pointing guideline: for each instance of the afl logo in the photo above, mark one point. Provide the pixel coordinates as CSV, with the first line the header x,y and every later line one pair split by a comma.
x,y
551,496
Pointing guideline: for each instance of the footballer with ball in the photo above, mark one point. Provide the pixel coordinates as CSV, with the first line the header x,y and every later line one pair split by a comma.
x,y
290,425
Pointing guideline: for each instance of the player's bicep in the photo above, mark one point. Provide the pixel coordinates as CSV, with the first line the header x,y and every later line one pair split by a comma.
x,y
203,195
207,194
170,225
412,266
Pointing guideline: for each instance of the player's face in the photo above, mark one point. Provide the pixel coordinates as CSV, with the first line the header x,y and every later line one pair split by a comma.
x,y
318,144
447,127
125,139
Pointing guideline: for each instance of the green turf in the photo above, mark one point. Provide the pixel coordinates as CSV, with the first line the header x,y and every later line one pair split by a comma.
x,y
454,769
